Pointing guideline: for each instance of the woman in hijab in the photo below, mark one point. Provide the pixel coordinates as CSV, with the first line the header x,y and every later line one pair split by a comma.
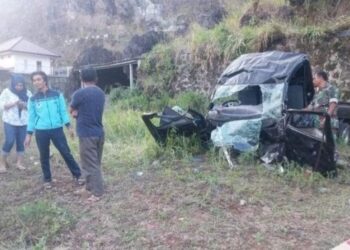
x,y
13,103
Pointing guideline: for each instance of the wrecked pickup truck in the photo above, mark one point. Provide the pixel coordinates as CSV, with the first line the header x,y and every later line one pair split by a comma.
x,y
259,105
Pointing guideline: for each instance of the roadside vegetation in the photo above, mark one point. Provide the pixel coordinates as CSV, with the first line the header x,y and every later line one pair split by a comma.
x,y
229,39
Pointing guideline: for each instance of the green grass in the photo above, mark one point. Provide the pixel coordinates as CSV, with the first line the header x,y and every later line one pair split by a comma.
x,y
126,99
129,145
43,221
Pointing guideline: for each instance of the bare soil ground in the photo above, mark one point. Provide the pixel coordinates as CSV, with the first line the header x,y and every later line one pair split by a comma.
x,y
178,205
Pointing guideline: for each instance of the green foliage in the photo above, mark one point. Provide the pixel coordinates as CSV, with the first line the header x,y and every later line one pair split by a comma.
x,y
313,33
177,149
194,100
267,34
180,147
122,93
124,124
41,245
210,48
136,100
236,46
219,42
200,36
128,99
159,66
320,5
248,159
43,221
216,158
130,143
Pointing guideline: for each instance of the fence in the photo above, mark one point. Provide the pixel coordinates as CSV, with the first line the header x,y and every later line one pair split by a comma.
x,y
62,84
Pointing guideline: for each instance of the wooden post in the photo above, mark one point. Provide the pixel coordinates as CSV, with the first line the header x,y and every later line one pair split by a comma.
x,y
131,73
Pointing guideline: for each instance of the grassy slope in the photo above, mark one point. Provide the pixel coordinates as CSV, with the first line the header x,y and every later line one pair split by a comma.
x,y
172,198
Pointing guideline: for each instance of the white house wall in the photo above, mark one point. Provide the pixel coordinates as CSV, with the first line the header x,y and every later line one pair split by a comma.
x,y
26,63
7,61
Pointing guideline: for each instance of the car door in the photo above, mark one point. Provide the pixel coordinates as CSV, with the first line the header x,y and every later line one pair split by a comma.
x,y
309,140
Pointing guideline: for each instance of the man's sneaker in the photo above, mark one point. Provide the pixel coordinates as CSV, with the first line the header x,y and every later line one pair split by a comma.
x,y
20,166
79,181
81,191
93,199
47,185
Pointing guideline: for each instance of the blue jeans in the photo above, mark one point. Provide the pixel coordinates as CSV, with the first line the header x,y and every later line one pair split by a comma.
x,y
14,134
43,139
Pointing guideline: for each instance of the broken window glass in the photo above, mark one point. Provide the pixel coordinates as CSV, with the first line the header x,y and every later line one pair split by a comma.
x,y
243,134
272,100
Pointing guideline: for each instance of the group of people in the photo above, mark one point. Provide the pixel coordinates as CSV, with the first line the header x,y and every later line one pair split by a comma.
x,y
44,115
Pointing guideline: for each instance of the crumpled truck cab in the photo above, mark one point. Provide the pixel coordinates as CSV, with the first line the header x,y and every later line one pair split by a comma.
x,y
259,105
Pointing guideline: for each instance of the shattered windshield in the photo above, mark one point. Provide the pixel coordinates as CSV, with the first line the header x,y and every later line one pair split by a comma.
x,y
244,135
272,100
239,95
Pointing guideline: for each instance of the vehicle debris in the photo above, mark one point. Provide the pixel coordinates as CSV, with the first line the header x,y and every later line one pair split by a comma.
x,y
259,105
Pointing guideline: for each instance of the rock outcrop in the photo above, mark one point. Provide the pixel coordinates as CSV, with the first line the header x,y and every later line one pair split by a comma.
x,y
95,55
329,50
71,26
140,44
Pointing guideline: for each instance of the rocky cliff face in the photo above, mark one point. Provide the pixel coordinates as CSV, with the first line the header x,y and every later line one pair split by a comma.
x,y
72,26
331,54
329,51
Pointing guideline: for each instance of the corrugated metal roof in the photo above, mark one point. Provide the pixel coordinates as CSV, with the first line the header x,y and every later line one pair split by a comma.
x,y
20,44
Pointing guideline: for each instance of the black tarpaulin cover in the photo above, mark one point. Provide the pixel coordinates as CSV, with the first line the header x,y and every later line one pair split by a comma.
x,y
258,68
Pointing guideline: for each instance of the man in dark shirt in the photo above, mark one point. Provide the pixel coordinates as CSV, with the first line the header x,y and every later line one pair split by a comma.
x,y
87,107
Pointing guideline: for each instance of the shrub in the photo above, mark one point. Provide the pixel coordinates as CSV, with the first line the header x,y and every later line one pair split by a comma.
x,y
123,124
193,100
313,33
122,93
129,99
160,64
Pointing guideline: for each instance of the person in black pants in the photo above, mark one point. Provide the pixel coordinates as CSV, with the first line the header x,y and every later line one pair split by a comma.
x,y
47,116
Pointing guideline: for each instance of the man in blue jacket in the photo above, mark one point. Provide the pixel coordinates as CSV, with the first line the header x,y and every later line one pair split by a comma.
x,y
47,116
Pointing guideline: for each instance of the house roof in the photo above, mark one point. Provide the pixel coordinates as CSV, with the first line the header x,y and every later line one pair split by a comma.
x,y
20,44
